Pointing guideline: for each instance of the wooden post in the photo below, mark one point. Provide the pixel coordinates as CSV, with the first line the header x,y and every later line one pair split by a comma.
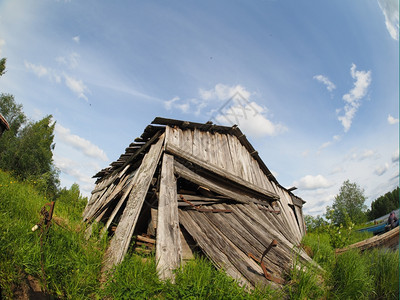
x,y
120,242
168,246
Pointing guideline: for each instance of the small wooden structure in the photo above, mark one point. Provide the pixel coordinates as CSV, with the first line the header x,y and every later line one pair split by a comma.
x,y
183,185
3,125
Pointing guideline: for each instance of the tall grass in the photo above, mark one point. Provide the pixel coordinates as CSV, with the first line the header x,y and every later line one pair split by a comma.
x,y
350,277
71,264
354,275
305,282
384,268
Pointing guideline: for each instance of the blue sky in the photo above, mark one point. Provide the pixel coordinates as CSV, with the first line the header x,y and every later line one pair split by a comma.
x,y
320,81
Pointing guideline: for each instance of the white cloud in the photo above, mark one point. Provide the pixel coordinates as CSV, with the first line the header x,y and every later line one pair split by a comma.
x,y
391,120
367,154
168,104
390,9
380,170
250,118
38,70
353,98
224,92
76,39
330,86
77,86
41,71
72,168
71,61
335,138
395,156
85,146
310,182
338,169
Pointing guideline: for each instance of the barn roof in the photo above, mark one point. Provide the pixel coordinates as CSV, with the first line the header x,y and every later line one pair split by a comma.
x,y
183,182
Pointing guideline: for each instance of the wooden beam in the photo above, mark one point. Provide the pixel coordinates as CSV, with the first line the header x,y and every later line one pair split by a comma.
x,y
123,234
221,173
226,190
168,246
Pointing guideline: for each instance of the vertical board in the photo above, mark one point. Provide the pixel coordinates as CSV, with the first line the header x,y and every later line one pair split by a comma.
x,y
120,242
168,247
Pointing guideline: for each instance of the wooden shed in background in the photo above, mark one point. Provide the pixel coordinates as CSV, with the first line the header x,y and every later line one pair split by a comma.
x,y
184,185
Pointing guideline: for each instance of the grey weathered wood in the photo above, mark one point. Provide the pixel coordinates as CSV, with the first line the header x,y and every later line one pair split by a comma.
x,y
212,185
235,179
219,259
120,242
126,190
168,247
245,265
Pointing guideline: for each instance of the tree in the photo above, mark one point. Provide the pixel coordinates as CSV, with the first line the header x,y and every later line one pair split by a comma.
x,y
2,66
26,151
313,223
384,204
348,205
12,112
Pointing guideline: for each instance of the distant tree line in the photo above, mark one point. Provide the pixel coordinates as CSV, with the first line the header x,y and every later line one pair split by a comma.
x,y
384,204
349,207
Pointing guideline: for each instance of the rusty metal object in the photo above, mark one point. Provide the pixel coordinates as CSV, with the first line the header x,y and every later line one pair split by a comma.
x,y
201,209
267,275
47,214
44,225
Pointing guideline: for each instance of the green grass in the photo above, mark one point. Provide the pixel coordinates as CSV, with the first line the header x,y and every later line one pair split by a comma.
x,y
354,275
72,264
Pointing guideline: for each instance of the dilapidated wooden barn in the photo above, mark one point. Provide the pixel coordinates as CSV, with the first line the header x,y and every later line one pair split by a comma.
x,y
182,186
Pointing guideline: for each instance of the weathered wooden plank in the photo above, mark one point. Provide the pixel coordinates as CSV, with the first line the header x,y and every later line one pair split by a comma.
x,y
212,168
168,247
187,253
212,185
238,234
118,188
126,190
245,265
226,154
197,150
219,259
172,135
120,242
252,210
285,201
108,187
186,141
263,234
387,239
233,149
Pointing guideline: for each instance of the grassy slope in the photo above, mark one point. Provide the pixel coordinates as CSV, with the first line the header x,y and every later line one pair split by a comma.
x,y
72,264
